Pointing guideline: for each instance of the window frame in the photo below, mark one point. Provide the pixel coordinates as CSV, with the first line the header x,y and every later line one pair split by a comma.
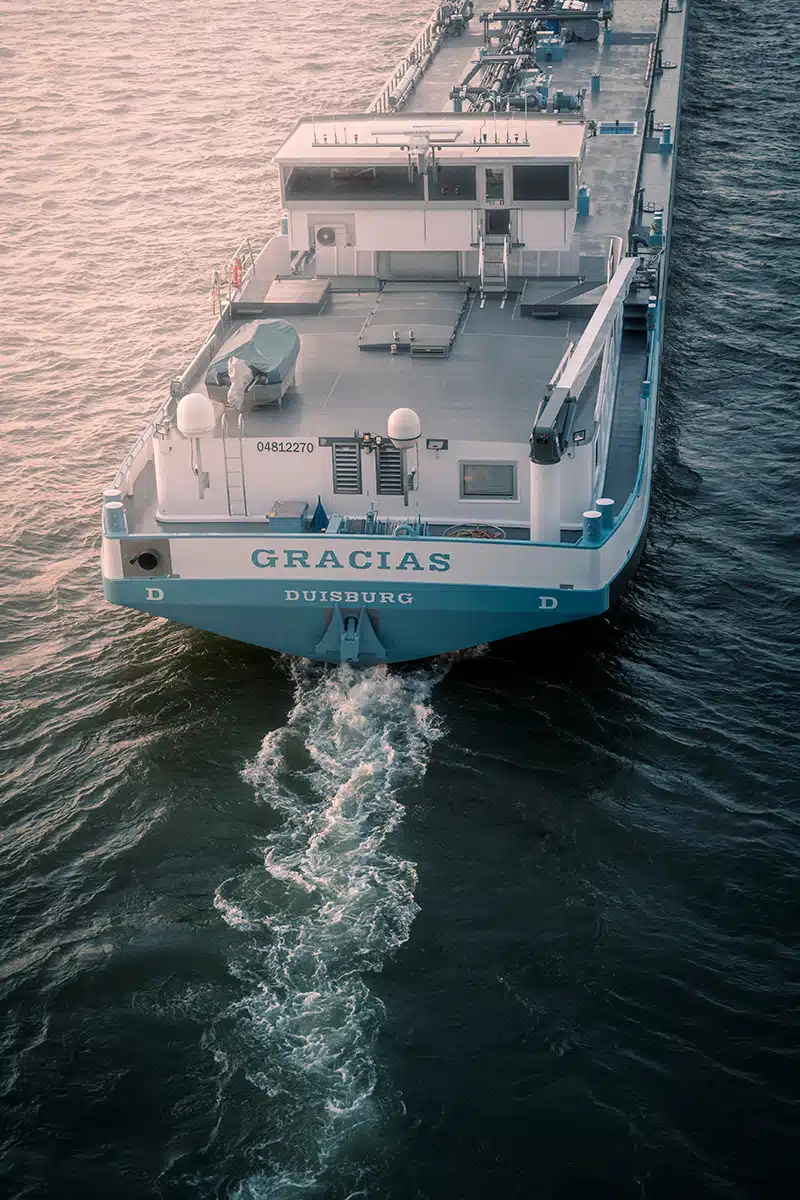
x,y
539,166
489,462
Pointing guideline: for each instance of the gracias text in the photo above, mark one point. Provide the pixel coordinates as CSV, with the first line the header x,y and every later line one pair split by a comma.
x,y
357,560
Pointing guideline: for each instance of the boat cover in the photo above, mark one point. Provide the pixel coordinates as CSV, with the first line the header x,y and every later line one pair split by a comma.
x,y
269,347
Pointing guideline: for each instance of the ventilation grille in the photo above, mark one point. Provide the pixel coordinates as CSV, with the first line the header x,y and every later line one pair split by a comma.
x,y
347,468
389,470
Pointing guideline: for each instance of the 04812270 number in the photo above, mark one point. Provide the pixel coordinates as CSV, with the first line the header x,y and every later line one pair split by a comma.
x,y
286,447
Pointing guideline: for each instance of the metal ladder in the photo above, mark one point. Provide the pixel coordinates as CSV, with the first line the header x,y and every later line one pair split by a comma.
x,y
234,466
493,264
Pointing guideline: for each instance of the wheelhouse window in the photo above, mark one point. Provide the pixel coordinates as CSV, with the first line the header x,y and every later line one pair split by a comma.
x,y
488,481
452,183
550,182
354,183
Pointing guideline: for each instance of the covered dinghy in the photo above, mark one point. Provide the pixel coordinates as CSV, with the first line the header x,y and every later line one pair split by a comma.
x,y
270,350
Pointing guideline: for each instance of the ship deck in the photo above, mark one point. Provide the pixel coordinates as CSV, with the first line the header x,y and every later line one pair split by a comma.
x,y
497,353
611,160
489,385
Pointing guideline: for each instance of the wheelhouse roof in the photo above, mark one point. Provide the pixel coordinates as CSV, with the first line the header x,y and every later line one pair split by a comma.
x,y
457,137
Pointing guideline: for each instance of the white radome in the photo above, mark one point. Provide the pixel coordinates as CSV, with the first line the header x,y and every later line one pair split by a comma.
x,y
404,427
195,416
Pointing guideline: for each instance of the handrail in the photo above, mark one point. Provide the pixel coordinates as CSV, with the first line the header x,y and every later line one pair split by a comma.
x,y
223,425
240,434
419,55
415,53
223,277
559,371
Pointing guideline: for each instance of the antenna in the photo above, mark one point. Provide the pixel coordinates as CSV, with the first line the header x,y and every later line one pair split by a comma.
x,y
335,134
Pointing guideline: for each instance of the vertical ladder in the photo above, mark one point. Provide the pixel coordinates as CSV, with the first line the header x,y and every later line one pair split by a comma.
x,y
493,263
234,466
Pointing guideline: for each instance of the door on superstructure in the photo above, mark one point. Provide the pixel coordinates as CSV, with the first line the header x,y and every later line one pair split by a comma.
x,y
497,221
494,185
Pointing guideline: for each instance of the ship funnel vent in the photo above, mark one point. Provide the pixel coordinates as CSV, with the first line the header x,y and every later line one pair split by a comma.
x,y
347,468
389,469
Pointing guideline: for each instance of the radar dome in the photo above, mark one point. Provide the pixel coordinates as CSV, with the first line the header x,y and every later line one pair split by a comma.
x,y
195,415
404,427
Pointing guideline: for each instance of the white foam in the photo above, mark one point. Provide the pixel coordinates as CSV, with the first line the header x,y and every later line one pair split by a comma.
x,y
307,1024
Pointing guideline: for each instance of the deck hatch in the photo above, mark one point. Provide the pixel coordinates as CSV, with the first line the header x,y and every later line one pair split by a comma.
x,y
346,458
618,127
389,470
414,319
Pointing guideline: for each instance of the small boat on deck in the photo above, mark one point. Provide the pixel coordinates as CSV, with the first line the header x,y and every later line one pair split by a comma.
x,y
425,417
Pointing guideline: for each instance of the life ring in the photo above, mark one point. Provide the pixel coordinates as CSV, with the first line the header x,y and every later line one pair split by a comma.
x,y
236,272
404,531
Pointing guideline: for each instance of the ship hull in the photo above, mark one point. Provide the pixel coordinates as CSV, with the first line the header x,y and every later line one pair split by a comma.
x,y
409,623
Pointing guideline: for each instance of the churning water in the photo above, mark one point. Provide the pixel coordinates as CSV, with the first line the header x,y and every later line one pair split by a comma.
x,y
328,904
522,926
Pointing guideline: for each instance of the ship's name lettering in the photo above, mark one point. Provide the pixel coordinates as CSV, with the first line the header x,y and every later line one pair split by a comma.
x,y
350,597
356,560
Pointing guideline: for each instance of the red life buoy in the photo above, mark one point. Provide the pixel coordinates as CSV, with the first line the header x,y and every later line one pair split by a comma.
x,y
236,273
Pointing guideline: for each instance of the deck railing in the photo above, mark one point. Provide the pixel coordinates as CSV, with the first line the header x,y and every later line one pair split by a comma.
x,y
403,81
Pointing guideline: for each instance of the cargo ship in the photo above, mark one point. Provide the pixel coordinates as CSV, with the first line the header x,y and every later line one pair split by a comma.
x,y
425,416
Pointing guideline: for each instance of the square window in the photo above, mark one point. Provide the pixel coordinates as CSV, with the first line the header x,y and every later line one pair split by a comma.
x,y
489,481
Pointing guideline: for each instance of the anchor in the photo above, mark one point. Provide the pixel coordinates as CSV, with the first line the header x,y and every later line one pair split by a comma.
x,y
350,639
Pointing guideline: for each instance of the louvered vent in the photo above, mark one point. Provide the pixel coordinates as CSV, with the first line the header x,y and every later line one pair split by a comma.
x,y
347,468
389,469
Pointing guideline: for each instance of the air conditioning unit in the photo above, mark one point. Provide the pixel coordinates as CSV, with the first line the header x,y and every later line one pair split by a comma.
x,y
332,235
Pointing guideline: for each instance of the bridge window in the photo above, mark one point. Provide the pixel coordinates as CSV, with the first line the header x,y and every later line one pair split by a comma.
x,y
452,183
541,183
488,480
353,183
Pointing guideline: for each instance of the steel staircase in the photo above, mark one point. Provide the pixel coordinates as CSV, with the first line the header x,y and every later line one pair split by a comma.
x,y
493,254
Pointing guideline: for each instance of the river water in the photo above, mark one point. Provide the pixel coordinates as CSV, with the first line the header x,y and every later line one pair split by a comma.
x,y
518,925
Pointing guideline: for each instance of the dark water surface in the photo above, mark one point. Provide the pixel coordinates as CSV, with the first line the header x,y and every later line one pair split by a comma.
x,y
523,925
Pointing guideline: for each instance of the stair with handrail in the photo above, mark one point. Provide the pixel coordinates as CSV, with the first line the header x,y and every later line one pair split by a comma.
x,y
493,256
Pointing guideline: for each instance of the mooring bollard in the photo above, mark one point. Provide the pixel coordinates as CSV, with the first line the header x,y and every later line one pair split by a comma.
x,y
592,527
115,523
606,509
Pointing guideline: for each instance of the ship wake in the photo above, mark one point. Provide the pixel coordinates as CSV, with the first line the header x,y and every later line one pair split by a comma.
x,y
331,902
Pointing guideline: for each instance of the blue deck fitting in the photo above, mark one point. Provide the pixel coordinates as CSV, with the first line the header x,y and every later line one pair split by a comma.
x,y
652,313
549,49
595,85
665,145
584,200
592,527
605,507
608,36
115,523
656,234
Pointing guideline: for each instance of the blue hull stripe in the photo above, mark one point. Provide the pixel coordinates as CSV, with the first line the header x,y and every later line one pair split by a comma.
x,y
420,621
